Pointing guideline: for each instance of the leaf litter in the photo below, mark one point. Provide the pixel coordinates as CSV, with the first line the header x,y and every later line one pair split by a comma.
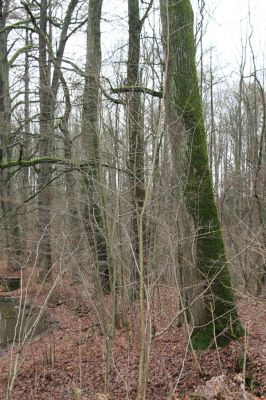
x,y
68,361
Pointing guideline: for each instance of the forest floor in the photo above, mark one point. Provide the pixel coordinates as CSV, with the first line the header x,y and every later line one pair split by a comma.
x,y
67,361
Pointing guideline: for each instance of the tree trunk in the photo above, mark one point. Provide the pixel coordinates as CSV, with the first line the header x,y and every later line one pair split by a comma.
x,y
45,174
91,209
8,206
75,239
135,129
48,94
219,320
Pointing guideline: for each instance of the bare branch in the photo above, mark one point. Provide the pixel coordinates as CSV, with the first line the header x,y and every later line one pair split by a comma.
x,y
18,52
146,13
54,160
138,89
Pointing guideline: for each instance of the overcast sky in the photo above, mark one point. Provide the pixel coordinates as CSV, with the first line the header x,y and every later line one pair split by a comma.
x,y
228,24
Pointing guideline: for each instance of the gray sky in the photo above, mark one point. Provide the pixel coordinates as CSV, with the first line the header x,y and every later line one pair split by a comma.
x,y
228,25
227,30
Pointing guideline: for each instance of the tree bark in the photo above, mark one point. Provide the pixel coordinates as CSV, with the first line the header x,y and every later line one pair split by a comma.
x,y
8,206
219,321
45,146
48,93
135,130
92,201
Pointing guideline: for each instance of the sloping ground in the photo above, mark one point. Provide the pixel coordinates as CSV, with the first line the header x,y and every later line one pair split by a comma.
x,y
67,362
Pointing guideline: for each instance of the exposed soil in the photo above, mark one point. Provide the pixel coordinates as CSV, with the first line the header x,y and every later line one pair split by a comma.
x,y
68,361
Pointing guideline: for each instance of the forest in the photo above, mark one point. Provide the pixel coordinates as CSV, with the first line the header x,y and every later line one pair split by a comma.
x,y
132,203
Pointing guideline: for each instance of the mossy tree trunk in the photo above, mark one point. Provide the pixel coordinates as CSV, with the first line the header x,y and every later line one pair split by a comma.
x,y
185,124
92,203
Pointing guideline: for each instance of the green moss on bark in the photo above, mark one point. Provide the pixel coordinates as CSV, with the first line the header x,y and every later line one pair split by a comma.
x,y
183,104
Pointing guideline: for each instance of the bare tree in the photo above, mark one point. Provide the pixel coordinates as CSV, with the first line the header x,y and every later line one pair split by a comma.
x,y
48,94
7,151
136,133
91,209
219,320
